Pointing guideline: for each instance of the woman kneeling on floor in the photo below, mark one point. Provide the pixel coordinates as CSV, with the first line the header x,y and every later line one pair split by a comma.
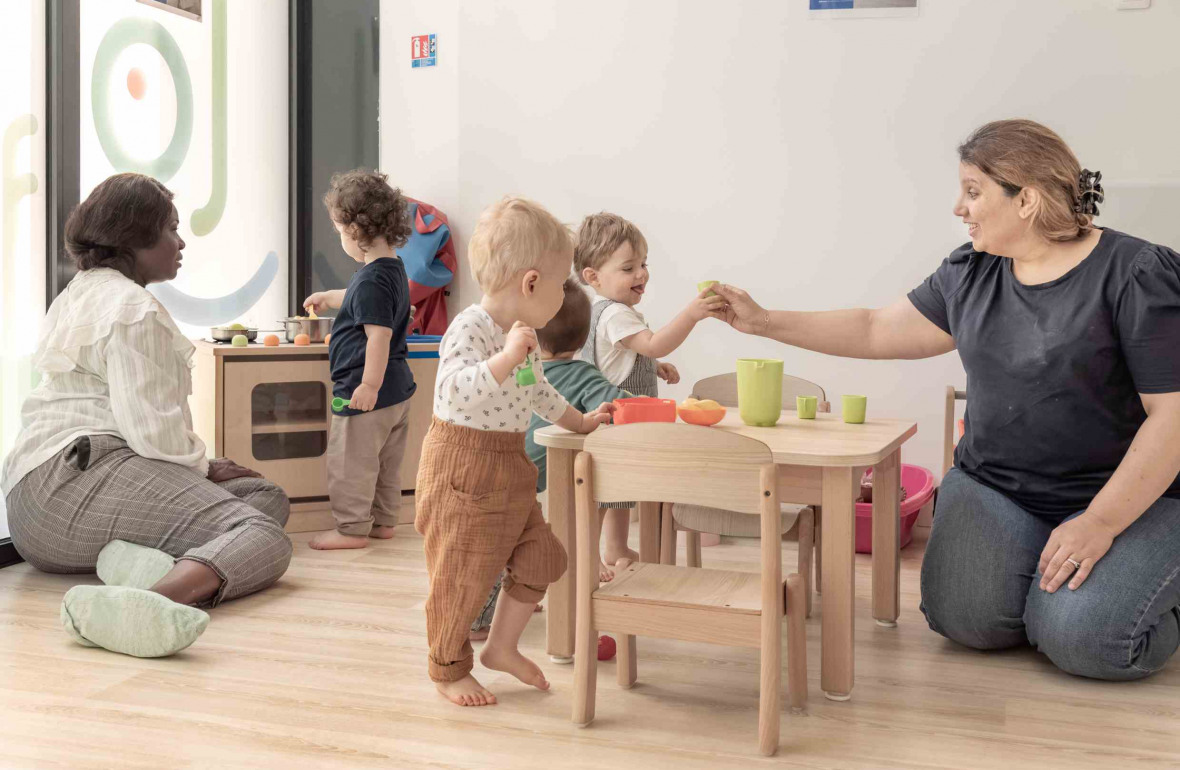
x,y
1059,525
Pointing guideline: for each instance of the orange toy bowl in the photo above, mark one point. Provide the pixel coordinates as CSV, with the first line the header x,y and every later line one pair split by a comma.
x,y
704,417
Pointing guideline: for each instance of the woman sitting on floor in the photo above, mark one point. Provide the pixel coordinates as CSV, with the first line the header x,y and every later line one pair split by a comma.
x,y
107,473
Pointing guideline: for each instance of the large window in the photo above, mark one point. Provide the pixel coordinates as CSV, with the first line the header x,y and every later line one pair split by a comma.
x,y
22,211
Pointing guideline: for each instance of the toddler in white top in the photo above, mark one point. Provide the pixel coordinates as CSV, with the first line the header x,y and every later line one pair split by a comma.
x,y
610,256
476,497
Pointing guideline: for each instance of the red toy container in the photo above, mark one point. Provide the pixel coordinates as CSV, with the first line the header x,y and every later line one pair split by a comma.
x,y
644,409
919,484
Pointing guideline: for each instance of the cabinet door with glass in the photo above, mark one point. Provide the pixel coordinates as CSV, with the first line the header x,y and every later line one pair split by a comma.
x,y
277,415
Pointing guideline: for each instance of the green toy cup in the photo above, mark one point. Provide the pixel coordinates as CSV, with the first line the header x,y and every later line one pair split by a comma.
x,y
527,376
854,408
760,391
805,406
338,404
705,285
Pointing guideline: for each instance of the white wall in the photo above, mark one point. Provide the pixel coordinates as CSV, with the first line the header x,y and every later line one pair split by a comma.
x,y
812,162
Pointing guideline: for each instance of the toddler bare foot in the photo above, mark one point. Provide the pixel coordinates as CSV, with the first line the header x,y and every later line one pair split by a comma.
x,y
512,662
330,541
466,692
613,557
605,573
382,533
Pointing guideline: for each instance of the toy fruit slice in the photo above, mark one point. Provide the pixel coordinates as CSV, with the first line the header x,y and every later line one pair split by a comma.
x,y
702,416
709,405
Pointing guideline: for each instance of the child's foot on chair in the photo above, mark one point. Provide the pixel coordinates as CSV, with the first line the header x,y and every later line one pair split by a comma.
x,y
381,533
605,573
466,692
512,662
332,540
613,557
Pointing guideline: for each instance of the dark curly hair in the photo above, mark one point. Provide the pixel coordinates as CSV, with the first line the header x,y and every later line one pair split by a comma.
x,y
368,207
124,213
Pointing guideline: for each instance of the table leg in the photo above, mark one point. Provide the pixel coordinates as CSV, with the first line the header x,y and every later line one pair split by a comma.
x,y
649,533
887,540
563,591
840,487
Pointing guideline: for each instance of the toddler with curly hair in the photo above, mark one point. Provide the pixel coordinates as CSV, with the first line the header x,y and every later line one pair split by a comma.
x,y
367,354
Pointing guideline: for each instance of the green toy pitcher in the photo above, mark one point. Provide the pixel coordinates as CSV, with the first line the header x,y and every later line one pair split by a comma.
x,y
760,391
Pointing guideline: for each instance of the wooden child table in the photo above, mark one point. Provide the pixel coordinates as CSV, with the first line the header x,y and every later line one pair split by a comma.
x,y
819,463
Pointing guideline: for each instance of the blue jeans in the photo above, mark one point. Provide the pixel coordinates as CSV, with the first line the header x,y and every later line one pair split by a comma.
x,y
980,586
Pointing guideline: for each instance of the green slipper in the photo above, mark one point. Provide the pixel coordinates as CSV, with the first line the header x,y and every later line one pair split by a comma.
x,y
130,620
134,566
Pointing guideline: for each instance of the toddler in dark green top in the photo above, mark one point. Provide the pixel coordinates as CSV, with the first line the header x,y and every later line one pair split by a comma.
x,y
580,382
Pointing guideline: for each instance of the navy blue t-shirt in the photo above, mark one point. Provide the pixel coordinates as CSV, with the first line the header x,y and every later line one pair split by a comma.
x,y
379,294
1054,370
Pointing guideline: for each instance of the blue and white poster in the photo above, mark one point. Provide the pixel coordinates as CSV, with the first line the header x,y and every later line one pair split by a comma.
x,y
845,9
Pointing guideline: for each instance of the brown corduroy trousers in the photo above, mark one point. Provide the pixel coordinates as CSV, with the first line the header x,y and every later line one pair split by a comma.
x,y
476,507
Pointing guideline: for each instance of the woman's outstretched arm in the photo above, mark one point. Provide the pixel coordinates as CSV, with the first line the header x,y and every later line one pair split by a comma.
x,y
895,331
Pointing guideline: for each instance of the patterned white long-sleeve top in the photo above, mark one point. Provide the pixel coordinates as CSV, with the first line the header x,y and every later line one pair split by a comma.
x,y
466,393
112,362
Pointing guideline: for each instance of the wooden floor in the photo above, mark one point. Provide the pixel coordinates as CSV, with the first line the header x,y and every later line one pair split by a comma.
x,y
327,669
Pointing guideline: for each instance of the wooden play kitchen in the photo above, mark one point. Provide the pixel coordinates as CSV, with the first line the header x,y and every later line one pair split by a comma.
x,y
819,462
269,408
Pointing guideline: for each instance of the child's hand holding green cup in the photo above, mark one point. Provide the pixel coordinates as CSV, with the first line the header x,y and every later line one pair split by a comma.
x,y
703,285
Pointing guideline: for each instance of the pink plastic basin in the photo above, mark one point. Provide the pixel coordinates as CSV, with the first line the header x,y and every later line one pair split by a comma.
x,y
919,483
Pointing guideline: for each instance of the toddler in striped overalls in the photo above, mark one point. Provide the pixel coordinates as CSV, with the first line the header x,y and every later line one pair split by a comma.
x,y
610,257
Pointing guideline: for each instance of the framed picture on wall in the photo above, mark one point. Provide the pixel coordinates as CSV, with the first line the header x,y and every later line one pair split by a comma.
x,y
188,8
853,9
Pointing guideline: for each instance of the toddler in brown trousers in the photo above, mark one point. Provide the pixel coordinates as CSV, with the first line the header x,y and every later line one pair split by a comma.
x,y
476,493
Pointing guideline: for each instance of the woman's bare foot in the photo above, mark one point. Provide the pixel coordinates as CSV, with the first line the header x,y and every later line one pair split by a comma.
x,y
332,540
466,692
382,533
512,662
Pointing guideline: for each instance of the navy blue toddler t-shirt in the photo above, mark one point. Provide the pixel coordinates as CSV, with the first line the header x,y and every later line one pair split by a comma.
x,y
378,294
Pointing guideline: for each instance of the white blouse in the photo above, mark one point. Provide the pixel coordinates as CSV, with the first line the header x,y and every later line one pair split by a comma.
x,y
466,393
112,362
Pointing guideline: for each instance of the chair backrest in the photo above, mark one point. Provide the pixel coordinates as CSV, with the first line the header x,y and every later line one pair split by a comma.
x,y
673,463
948,437
723,389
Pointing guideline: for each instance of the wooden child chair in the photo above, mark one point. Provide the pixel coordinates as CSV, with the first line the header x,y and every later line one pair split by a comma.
x,y
799,522
681,463
948,435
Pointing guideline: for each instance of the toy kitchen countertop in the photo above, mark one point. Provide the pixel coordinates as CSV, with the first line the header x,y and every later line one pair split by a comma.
x,y
420,346
268,408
